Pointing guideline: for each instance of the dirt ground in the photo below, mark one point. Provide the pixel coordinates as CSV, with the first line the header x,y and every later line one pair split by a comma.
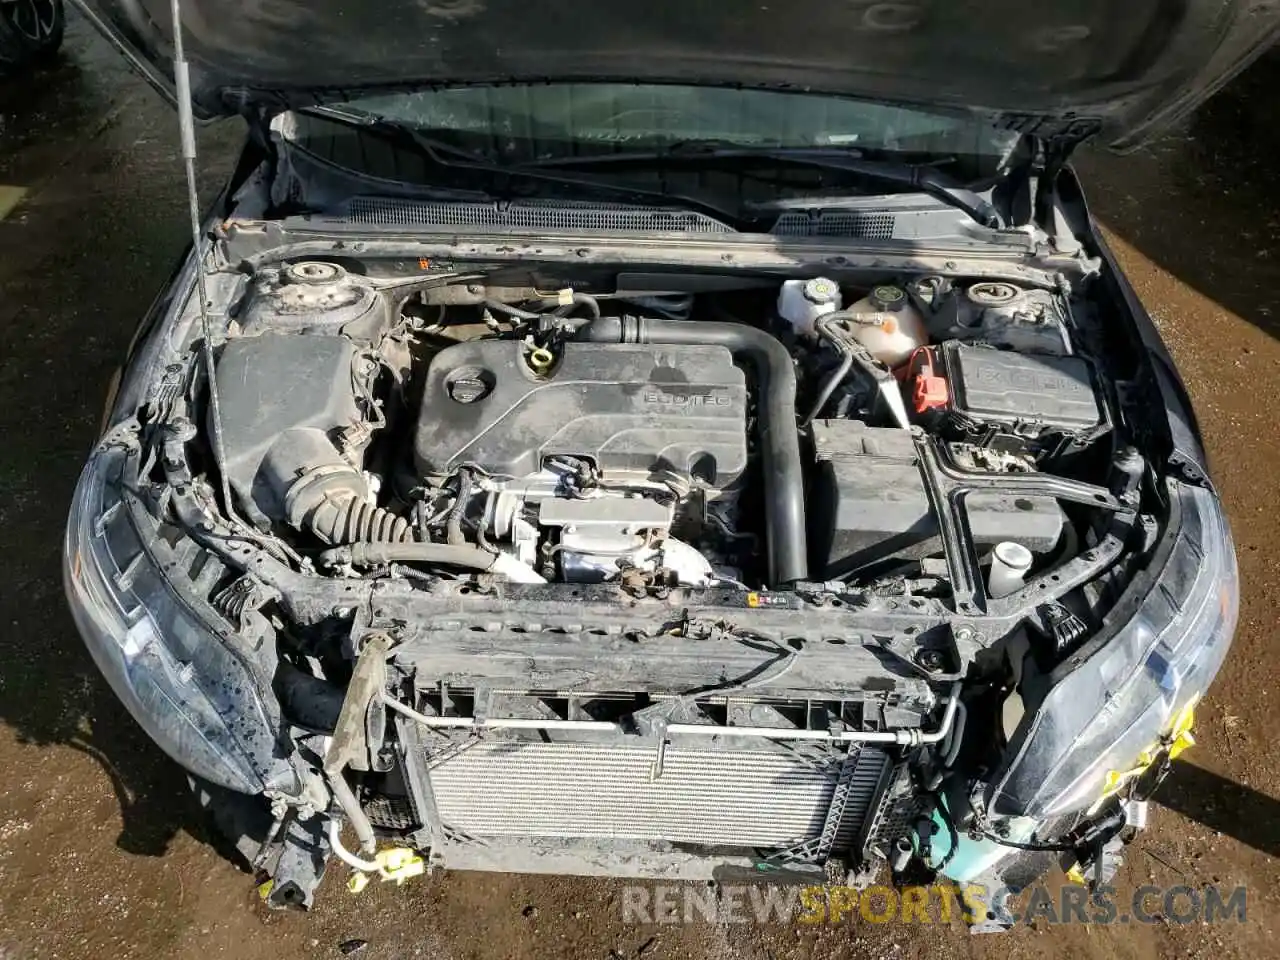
x,y
101,854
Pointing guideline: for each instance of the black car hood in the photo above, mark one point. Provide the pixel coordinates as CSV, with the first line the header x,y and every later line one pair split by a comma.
x,y
1125,67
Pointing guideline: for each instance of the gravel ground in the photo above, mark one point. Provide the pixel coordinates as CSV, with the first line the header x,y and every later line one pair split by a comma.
x,y
100,852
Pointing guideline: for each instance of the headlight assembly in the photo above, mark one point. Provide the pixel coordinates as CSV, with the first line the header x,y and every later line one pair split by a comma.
x,y
1109,709
179,681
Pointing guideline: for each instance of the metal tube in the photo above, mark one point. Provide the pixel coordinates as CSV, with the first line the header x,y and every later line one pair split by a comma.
x,y
906,737
948,717
781,733
957,734
351,807
345,855
500,723
779,438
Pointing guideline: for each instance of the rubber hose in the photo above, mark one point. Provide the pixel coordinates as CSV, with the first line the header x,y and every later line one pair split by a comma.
x,y
837,377
370,554
779,437
957,735
308,701
579,299
454,534
511,311
351,519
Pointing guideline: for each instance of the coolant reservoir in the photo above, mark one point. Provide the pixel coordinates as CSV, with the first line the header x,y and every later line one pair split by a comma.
x,y
802,302
888,325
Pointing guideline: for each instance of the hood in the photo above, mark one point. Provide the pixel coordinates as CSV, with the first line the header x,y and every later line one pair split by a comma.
x,y
1056,67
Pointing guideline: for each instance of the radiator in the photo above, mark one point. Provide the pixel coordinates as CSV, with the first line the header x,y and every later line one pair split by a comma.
x,y
761,798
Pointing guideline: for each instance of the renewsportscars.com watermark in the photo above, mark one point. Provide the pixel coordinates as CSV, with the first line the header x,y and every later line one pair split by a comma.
x,y
937,903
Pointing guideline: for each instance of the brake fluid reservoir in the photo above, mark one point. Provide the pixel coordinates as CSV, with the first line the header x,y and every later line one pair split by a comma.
x,y
888,325
802,302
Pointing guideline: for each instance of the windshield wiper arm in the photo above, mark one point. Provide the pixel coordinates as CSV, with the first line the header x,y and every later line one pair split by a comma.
x,y
924,178
374,123
460,159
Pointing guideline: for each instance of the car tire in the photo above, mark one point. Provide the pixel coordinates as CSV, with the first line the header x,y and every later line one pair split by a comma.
x,y
31,32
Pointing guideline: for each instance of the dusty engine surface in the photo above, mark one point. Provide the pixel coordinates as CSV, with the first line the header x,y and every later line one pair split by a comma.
x,y
997,313
582,463
649,452
1022,392
869,503
628,408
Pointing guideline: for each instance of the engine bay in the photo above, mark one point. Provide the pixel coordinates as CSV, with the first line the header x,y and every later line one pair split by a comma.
x,y
462,533
664,442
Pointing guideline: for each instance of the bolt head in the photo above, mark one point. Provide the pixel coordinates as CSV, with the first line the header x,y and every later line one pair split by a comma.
x,y
929,659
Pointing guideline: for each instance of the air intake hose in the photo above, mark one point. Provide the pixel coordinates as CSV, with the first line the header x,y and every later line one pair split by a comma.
x,y
779,438
342,515
323,494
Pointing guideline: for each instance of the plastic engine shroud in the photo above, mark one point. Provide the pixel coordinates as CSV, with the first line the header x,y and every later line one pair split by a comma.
x,y
627,407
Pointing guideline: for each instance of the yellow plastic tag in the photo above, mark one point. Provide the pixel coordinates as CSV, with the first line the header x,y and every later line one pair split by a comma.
x,y
1181,733
1176,741
358,881
395,864
400,864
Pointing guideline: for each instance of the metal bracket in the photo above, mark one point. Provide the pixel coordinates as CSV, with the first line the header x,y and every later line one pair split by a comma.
x,y
817,850
948,485
418,777
839,800
350,746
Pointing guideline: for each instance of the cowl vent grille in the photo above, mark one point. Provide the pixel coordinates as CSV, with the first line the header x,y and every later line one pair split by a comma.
x,y
531,215
867,226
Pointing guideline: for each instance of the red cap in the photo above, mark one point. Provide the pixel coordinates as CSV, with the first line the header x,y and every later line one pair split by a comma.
x,y
930,391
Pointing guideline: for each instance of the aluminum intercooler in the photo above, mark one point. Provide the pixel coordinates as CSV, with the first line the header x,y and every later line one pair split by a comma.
x,y
771,796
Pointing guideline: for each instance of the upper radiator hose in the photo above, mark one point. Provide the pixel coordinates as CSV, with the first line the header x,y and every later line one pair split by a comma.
x,y
779,437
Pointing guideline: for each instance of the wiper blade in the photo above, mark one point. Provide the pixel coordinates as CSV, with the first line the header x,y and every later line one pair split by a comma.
x,y
369,121
447,155
925,178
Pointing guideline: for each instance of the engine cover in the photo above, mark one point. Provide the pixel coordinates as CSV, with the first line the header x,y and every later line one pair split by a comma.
x,y
627,407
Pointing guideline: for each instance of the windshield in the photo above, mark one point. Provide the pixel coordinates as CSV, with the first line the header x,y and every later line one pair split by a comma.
x,y
524,122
